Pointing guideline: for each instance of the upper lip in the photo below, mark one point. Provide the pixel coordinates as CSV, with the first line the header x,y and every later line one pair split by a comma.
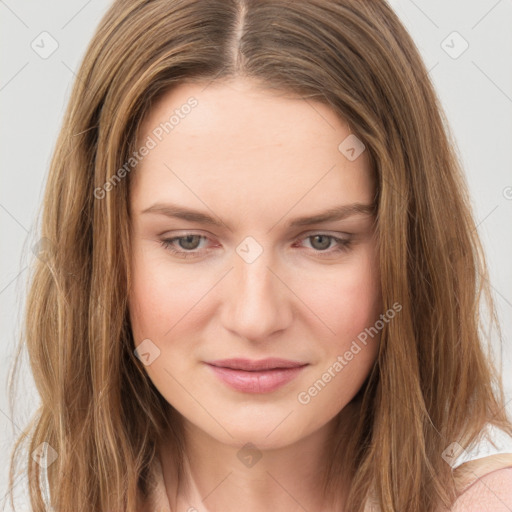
x,y
251,365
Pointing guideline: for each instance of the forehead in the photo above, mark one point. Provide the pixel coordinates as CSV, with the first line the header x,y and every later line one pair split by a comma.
x,y
210,140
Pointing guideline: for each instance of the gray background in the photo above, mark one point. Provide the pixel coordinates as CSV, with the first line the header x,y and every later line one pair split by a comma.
x,y
475,87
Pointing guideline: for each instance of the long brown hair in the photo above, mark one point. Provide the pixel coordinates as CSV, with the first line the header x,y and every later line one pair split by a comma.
x,y
432,383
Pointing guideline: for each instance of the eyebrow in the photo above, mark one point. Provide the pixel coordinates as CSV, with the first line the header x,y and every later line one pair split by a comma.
x,y
332,214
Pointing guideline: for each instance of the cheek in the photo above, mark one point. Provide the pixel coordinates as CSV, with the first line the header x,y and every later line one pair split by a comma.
x,y
162,305
347,298
160,296
149,305
357,306
349,303
350,306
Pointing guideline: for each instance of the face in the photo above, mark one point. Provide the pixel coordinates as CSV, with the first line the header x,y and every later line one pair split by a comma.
x,y
226,265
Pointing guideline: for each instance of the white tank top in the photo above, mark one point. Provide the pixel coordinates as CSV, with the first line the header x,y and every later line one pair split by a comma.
x,y
494,442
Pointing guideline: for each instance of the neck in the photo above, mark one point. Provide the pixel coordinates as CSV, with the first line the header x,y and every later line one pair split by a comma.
x,y
218,476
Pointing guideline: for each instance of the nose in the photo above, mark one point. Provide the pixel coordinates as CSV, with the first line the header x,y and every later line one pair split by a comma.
x,y
256,298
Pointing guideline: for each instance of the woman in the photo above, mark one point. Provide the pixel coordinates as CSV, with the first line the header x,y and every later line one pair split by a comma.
x,y
261,278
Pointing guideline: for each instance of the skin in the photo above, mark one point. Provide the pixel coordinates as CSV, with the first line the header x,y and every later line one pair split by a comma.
x,y
256,160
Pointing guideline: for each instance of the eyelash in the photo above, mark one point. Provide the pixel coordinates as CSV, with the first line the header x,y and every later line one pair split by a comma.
x,y
343,245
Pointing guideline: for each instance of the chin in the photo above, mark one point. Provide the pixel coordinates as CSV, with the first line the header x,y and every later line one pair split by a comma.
x,y
266,432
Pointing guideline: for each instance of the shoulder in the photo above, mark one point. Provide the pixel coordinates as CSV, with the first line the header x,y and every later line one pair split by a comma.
x,y
491,492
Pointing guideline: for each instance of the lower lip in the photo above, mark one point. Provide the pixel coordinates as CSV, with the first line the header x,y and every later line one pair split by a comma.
x,y
264,381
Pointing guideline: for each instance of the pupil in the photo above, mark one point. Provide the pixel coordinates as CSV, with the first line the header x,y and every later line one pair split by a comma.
x,y
186,240
326,238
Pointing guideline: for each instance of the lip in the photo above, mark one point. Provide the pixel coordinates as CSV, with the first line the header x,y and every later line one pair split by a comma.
x,y
262,376
253,365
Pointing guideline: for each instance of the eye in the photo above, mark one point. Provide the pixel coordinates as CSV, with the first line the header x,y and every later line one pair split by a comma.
x,y
189,243
321,243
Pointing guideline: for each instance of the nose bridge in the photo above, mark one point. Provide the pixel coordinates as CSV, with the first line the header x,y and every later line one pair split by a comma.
x,y
255,300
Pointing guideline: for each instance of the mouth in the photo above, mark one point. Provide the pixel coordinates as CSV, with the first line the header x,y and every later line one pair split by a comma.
x,y
262,376
249,365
